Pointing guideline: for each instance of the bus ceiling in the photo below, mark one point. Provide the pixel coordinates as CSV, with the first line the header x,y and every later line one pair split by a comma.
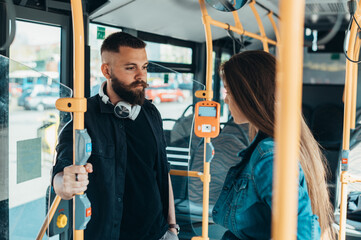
x,y
184,17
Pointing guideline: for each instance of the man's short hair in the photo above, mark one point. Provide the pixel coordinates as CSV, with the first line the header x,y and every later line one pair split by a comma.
x,y
121,39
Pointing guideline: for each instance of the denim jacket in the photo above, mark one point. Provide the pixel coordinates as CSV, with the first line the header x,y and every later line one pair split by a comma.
x,y
244,205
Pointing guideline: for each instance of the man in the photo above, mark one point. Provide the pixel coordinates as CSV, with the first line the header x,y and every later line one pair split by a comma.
x,y
128,183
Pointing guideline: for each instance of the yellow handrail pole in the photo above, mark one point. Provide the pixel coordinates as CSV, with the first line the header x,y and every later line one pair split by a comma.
x,y
78,26
240,27
237,23
206,181
240,31
354,81
275,29
350,66
48,217
207,27
186,173
288,112
208,95
76,104
354,89
343,207
78,121
260,25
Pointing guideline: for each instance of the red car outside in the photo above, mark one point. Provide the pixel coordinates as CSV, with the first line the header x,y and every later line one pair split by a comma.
x,y
164,93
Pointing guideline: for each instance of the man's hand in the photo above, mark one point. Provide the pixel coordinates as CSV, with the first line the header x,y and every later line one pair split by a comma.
x,y
73,180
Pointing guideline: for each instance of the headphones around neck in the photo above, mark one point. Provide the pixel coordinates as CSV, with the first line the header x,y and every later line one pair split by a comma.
x,y
122,109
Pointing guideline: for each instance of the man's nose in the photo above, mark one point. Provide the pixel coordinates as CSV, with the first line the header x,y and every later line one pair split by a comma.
x,y
142,74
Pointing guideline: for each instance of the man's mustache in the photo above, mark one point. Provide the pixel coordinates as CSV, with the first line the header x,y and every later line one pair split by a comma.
x,y
139,82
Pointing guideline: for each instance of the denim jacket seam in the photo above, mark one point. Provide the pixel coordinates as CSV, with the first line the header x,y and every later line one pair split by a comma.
x,y
255,188
260,155
263,152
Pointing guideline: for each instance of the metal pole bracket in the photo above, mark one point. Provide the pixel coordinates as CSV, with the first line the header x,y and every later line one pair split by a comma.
x,y
71,104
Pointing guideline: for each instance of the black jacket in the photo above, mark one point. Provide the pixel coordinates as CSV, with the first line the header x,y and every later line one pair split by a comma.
x,y
109,154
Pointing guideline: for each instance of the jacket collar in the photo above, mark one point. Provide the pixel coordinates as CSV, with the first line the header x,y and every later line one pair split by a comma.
x,y
105,108
248,151
109,107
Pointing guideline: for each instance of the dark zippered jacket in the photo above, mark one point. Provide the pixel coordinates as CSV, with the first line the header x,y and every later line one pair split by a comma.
x,y
109,156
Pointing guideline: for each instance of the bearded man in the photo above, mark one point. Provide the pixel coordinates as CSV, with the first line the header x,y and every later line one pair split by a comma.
x,y
128,183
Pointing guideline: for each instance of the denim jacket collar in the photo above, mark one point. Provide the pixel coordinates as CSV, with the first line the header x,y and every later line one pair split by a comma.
x,y
247,152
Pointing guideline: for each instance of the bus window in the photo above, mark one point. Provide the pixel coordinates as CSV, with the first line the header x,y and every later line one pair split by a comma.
x,y
97,33
33,125
168,53
33,83
38,47
324,68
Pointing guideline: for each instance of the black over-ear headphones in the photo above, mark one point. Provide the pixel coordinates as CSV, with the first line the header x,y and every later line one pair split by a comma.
x,y
122,109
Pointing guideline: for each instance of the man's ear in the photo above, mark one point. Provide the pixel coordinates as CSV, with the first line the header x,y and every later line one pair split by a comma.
x,y
105,70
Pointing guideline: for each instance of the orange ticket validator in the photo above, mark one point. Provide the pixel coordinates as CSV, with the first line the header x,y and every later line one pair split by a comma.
x,y
207,119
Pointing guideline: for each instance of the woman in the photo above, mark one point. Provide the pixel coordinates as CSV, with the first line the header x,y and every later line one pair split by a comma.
x,y
244,206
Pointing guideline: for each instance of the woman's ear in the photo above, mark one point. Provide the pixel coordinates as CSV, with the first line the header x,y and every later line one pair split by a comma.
x,y
105,70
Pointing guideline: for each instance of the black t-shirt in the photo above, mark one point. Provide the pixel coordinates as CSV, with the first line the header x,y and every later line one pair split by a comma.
x,y
143,216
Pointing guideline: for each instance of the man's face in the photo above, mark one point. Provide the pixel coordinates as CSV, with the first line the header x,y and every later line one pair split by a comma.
x,y
128,74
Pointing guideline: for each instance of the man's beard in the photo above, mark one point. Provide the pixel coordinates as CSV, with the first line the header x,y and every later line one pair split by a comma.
x,y
128,93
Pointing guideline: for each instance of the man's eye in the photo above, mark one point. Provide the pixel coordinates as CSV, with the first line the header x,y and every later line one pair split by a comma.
x,y
146,67
130,68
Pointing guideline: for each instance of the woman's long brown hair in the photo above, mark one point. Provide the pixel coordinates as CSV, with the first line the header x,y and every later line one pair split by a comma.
x,y
251,81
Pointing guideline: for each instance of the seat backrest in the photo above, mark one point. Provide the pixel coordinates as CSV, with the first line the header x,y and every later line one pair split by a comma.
x,y
238,130
182,133
232,139
327,124
307,113
323,111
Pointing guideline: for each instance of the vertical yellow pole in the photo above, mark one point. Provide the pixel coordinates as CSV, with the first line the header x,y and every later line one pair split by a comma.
x,y
288,112
354,84
64,104
78,121
343,208
206,181
207,27
349,97
209,95
346,144
78,32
